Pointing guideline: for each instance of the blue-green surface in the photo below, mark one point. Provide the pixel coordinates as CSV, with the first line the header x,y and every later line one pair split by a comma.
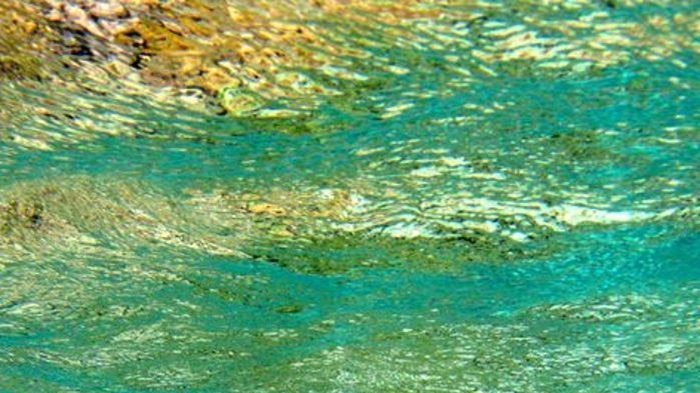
x,y
548,245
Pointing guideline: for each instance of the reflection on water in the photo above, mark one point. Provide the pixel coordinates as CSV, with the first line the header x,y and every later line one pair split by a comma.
x,y
452,197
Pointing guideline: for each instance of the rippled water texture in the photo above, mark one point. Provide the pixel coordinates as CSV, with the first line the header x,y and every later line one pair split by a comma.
x,y
349,196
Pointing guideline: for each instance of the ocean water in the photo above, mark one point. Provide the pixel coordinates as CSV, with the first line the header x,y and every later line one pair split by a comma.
x,y
458,226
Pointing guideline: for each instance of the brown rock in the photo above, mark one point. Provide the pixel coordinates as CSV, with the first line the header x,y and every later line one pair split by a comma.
x,y
267,208
108,9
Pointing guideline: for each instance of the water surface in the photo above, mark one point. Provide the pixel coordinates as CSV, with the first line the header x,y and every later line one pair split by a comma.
x,y
468,223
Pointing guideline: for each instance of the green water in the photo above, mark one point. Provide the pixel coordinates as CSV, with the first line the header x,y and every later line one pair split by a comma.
x,y
527,231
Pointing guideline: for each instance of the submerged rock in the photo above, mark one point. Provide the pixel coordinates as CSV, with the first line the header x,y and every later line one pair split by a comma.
x,y
329,54
24,41
239,101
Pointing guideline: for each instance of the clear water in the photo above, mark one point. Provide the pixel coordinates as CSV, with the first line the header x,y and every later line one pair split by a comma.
x,y
521,231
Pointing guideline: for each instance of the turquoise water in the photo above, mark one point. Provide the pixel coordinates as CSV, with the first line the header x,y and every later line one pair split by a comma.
x,y
514,231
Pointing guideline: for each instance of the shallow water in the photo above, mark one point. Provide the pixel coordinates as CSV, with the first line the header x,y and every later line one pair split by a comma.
x,y
514,229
